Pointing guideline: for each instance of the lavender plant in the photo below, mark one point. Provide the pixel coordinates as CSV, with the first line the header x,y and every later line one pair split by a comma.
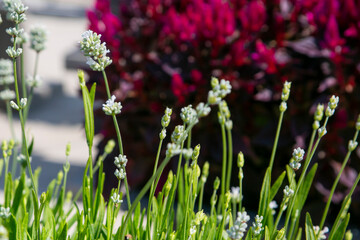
x,y
177,211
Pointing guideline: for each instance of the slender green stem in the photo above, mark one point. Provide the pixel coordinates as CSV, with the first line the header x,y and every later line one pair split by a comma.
x,y
272,158
278,217
336,183
201,196
106,84
152,190
230,160
240,188
31,94
223,175
23,83
141,195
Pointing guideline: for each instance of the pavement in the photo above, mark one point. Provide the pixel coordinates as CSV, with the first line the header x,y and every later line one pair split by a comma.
x,y
56,114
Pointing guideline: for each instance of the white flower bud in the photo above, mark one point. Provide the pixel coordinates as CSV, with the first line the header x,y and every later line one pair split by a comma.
x,y
352,145
162,134
322,131
111,107
283,107
14,105
23,102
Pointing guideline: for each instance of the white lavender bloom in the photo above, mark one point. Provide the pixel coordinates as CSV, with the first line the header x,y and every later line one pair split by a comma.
x,y
121,161
6,67
14,105
224,109
178,134
283,106
188,115
22,38
237,231
172,149
235,194
5,212
23,102
120,173
11,52
258,225
320,234
288,192
92,47
187,152
224,88
16,10
213,98
297,157
202,110
286,91
192,230
7,95
38,36
116,198
322,131
14,32
33,82
6,80
319,113
165,120
111,107
273,205
333,102
162,134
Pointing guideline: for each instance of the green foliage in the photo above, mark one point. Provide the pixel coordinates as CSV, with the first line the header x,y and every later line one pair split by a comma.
x,y
53,215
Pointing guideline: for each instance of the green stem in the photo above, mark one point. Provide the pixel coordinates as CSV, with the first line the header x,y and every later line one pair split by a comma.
x,y
240,189
26,111
141,195
336,183
223,134
152,190
201,197
230,160
276,140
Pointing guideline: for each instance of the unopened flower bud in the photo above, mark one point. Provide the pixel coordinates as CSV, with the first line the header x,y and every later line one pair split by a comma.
x,y
316,125
68,149
43,198
23,102
14,105
322,131
229,124
286,91
283,106
357,126
216,183
109,147
240,160
221,118
280,235
319,112
352,145
214,82
348,235
59,177
196,152
162,134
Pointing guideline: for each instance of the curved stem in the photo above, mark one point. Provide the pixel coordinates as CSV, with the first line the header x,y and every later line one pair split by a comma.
x,y
276,141
336,183
223,134
230,160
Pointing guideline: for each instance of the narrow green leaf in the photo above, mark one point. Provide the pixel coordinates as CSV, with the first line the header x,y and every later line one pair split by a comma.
x,y
267,233
11,225
298,237
8,189
265,193
31,146
277,184
309,228
304,190
18,194
341,229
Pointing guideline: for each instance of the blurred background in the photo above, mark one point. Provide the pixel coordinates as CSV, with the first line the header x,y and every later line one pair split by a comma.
x,y
56,115
164,53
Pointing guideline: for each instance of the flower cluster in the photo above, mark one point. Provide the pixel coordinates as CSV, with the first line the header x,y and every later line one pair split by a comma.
x,y
111,107
320,234
6,72
120,162
238,230
258,225
297,157
33,81
38,37
115,197
16,10
219,90
5,212
95,50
